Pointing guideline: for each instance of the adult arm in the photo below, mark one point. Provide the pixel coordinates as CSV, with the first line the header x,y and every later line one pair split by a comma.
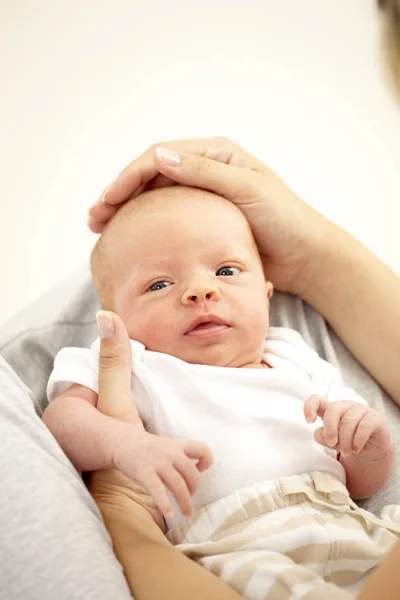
x,y
359,296
153,567
385,581
303,253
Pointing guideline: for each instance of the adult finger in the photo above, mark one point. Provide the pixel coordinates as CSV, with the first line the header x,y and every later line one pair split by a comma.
x,y
115,364
238,184
99,215
141,170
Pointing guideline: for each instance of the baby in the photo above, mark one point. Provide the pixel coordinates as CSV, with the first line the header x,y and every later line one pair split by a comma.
x,y
291,446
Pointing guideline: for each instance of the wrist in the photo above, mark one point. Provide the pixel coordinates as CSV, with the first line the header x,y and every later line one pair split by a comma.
x,y
367,473
129,436
333,254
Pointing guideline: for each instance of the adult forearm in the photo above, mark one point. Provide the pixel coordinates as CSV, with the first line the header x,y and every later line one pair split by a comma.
x,y
153,568
359,296
385,581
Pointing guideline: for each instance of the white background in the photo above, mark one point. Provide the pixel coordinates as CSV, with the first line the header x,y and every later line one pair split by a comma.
x,y
87,85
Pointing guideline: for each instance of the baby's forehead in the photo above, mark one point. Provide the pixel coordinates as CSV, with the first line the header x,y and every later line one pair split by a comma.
x,y
187,215
178,198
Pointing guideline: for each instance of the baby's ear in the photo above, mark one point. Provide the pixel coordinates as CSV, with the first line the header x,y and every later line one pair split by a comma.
x,y
269,288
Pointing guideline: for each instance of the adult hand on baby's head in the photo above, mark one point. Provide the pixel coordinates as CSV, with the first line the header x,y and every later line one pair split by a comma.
x,y
291,236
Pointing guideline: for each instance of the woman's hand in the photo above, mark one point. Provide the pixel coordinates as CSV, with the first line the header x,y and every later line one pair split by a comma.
x,y
113,491
291,236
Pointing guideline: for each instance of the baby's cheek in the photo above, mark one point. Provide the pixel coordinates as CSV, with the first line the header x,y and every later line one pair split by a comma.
x,y
155,331
256,318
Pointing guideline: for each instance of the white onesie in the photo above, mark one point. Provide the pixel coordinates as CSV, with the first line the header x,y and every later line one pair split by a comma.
x,y
252,419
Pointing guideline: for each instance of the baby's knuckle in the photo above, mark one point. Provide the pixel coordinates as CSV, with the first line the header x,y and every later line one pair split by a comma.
x,y
145,471
194,474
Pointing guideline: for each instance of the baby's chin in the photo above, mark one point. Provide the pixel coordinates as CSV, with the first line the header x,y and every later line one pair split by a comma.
x,y
216,357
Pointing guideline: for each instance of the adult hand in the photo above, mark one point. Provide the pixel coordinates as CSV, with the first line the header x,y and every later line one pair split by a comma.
x,y
112,490
291,236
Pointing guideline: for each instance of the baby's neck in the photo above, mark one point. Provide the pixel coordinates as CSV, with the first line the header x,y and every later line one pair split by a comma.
x,y
258,365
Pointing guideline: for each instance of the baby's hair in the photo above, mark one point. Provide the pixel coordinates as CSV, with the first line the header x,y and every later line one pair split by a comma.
x,y
100,268
101,262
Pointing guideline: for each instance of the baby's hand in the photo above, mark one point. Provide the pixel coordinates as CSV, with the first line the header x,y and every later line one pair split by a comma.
x,y
158,462
349,427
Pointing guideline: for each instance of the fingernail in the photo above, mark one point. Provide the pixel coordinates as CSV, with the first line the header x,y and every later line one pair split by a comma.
x,y
309,419
168,157
105,324
103,197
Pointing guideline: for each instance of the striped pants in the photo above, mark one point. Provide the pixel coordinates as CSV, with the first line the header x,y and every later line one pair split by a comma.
x,y
296,538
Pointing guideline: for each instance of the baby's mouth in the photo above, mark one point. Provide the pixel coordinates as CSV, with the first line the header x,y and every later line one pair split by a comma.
x,y
207,325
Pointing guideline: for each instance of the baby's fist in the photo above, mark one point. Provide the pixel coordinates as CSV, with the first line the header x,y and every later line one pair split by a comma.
x,y
349,427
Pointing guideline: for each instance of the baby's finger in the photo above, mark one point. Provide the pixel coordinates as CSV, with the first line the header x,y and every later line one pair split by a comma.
x,y
189,471
177,486
369,423
200,451
314,407
319,437
152,482
348,426
332,417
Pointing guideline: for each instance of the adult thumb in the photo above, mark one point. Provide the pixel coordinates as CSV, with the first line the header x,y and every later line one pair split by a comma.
x,y
115,366
234,183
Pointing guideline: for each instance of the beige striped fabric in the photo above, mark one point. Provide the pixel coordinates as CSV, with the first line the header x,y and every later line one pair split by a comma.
x,y
297,538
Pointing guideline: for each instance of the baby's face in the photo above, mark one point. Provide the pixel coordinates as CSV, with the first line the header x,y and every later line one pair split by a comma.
x,y
188,281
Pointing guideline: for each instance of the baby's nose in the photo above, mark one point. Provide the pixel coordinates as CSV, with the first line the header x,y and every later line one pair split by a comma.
x,y
197,293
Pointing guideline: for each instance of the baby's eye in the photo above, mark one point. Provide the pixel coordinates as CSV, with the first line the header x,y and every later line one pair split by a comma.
x,y
159,285
228,271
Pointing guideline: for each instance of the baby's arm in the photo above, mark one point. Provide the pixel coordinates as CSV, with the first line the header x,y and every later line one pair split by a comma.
x,y
94,441
88,437
362,439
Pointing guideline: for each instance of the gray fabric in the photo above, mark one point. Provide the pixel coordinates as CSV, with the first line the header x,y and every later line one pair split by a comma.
x,y
53,542
50,524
